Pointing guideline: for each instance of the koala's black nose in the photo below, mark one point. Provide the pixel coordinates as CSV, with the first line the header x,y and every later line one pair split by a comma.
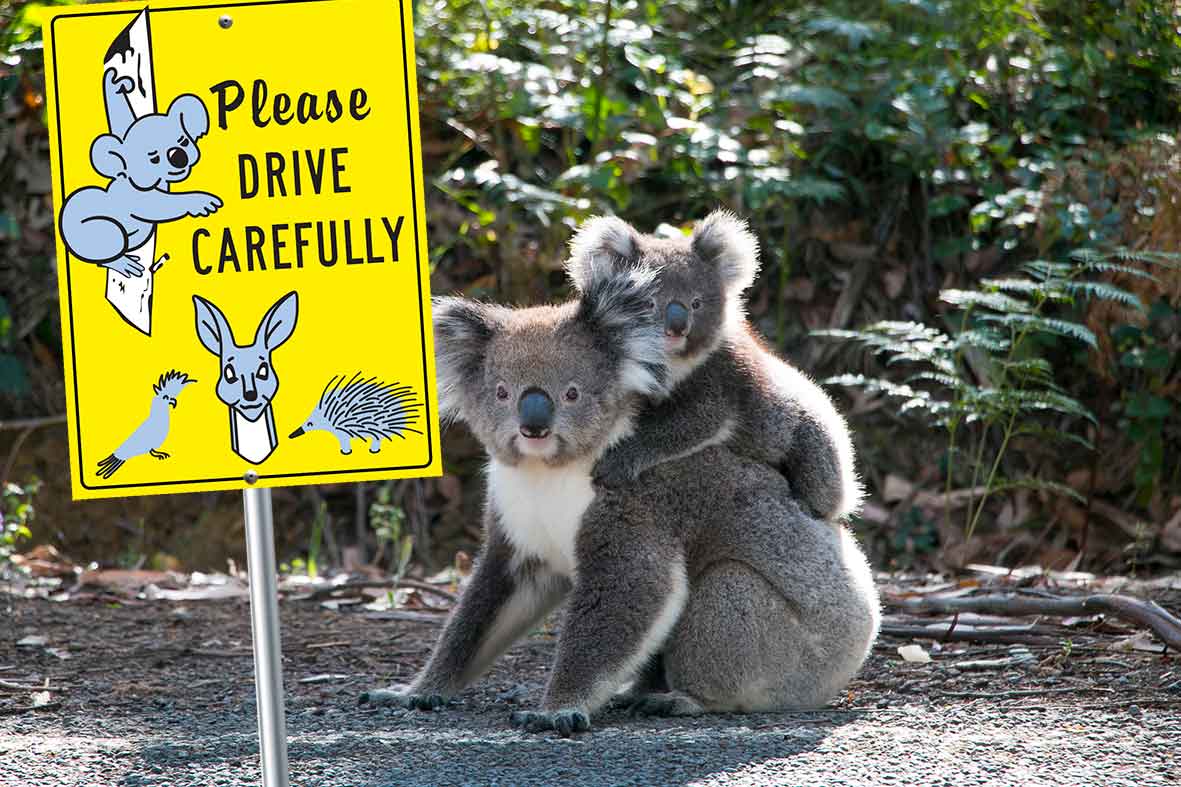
x,y
676,319
178,158
250,394
536,411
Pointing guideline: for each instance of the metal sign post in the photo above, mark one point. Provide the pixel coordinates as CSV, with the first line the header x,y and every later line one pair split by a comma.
x,y
264,623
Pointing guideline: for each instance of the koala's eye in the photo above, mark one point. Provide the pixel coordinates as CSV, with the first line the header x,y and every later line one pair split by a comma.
x,y
696,303
652,304
501,392
229,373
264,371
572,394
154,159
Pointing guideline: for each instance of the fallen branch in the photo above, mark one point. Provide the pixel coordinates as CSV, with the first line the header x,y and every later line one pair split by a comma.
x,y
1007,635
6,685
1004,695
32,423
1146,613
367,584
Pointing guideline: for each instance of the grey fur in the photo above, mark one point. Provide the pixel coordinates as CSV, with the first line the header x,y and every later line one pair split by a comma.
x,y
708,558
728,387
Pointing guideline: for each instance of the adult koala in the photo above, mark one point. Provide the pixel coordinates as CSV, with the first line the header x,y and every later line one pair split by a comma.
x,y
143,157
755,605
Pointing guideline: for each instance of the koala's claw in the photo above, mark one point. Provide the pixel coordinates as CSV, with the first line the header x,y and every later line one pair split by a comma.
x,y
565,722
123,84
126,266
402,699
204,204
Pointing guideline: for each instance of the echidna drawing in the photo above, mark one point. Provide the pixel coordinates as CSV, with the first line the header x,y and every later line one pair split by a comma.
x,y
363,408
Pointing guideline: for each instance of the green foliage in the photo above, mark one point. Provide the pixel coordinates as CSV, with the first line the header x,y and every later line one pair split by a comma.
x,y
388,521
989,377
16,511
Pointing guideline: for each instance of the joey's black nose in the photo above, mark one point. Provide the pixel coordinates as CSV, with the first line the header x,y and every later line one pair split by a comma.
x,y
536,411
178,158
676,319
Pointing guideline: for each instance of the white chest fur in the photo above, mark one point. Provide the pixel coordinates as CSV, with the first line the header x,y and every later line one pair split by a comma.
x,y
540,508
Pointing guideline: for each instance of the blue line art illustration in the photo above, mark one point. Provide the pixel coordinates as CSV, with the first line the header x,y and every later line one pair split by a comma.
x,y
151,434
143,153
247,382
365,409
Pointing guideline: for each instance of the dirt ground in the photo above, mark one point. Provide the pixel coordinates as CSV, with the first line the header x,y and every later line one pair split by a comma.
x,y
160,693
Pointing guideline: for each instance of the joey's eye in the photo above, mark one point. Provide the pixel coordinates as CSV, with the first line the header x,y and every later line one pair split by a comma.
x,y
652,304
264,371
154,159
501,392
184,143
229,373
572,394
696,303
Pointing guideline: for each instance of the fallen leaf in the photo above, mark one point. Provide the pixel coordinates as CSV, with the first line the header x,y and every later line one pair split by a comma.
x,y
40,698
32,641
914,654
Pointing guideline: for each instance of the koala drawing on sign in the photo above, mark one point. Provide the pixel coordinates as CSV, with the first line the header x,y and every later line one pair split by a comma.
x,y
142,156
727,387
706,560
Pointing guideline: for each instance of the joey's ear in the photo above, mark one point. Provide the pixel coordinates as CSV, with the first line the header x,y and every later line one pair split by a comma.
x,y
279,322
190,112
603,241
106,156
213,330
463,330
617,305
724,240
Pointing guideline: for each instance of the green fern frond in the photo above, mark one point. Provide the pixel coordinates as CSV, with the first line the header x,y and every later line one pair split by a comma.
x,y
1037,484
1047,434
984,338
1102,291
1071,330
989,300
1034,401
1046,270
1037,369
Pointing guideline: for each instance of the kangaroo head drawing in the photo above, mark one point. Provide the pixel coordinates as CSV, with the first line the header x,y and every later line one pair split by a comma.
x,y
247,381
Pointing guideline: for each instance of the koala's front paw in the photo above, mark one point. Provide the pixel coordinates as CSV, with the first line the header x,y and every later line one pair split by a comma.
x,y
565,721
202,204
127,266
402,698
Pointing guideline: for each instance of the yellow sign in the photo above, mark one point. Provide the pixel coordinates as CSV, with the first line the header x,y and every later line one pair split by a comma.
x,y
242,244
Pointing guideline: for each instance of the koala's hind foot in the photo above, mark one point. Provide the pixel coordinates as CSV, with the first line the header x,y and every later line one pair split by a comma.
x,y
564,721
400,697
672,703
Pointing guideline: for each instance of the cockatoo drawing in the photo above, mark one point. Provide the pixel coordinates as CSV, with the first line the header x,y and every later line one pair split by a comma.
x,y
150,435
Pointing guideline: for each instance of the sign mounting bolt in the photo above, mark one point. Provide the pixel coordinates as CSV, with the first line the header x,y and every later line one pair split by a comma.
x,y
225,21
251,477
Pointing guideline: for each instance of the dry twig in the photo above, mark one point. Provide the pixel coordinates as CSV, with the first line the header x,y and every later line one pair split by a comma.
x,y
1146,613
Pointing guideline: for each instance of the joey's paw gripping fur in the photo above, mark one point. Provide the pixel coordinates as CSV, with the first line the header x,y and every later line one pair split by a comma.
x,y
565,722
402,699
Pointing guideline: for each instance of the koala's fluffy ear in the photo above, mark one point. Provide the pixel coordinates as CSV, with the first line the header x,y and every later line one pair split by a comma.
x,y
603,241
191,113
463,330
617,306
106,156
723,239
